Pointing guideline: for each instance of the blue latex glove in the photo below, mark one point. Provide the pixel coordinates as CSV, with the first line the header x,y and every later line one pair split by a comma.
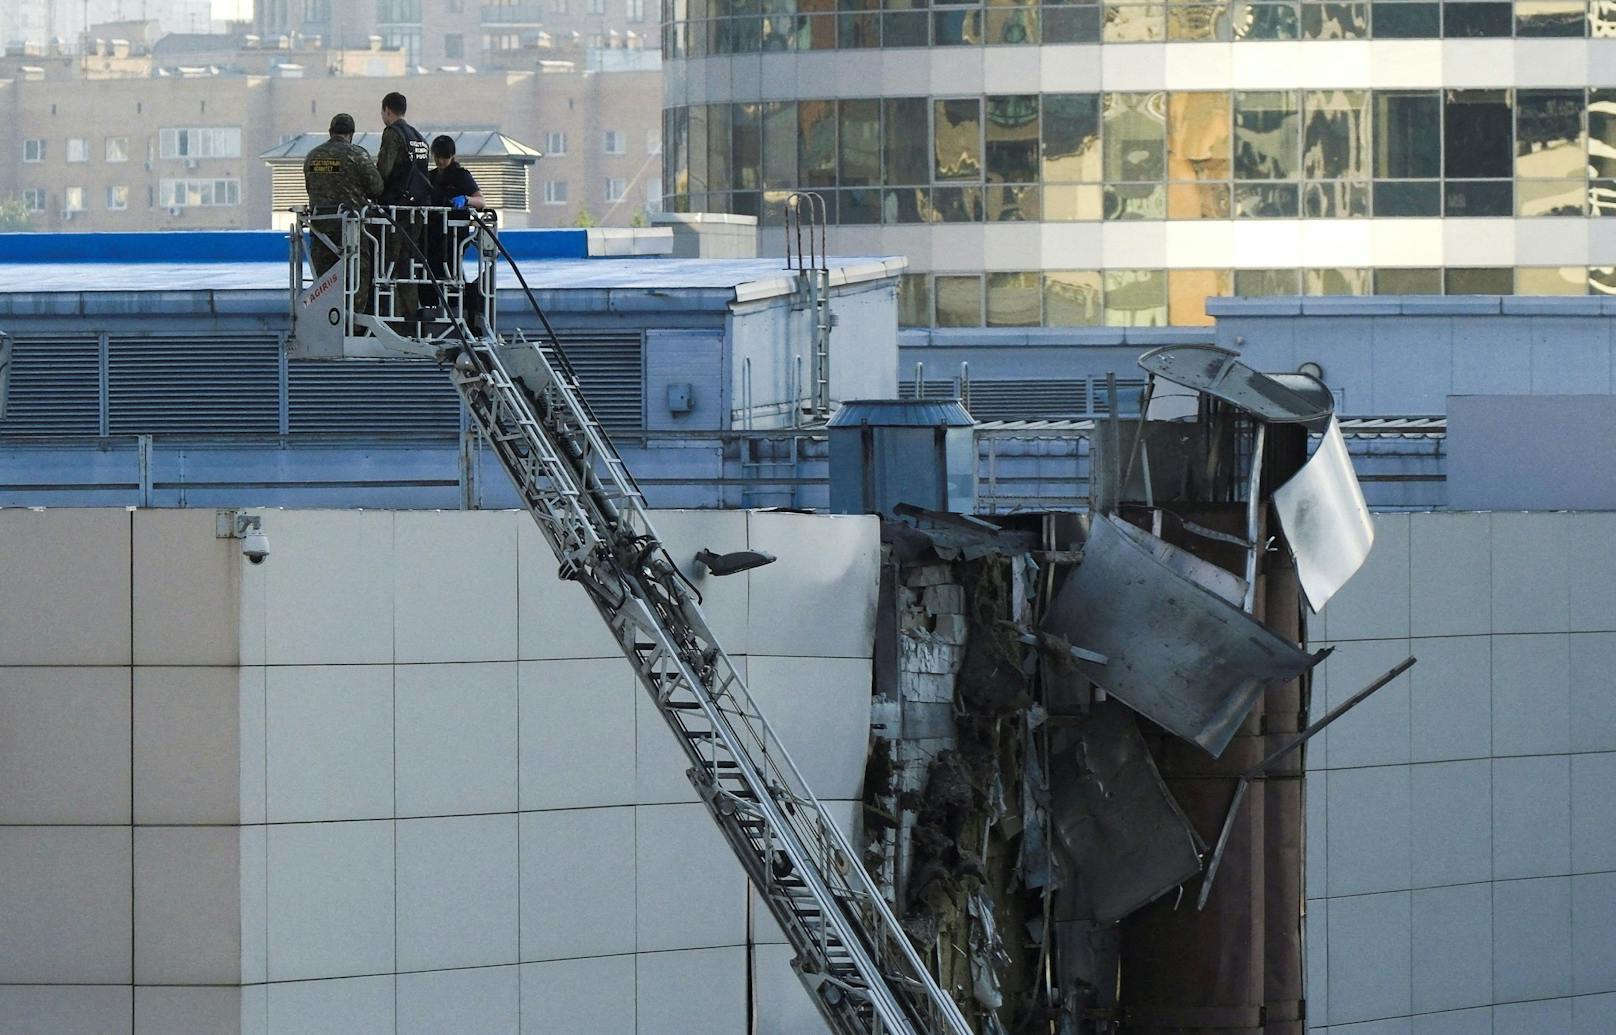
x,y
458,201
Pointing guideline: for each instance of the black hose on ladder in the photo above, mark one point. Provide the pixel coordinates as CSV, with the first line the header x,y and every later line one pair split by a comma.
x,y
549,330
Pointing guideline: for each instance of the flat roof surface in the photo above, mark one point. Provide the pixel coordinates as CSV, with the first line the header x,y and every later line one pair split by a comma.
x,y
542,275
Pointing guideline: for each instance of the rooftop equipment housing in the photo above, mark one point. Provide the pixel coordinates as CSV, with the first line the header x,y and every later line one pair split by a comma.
x,y
884,452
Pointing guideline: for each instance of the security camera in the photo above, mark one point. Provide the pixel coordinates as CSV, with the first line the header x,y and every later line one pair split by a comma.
x,y
249,528
255,546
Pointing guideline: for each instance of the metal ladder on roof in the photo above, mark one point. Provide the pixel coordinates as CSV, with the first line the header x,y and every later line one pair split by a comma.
x,y
858,965
806,210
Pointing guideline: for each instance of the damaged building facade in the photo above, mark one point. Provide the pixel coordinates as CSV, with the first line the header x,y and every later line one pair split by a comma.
x,y
1085,787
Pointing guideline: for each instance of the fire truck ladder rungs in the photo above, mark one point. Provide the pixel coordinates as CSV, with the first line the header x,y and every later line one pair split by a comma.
x,y
859,966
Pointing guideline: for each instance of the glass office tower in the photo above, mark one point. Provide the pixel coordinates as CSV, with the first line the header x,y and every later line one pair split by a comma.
x,y
1093,164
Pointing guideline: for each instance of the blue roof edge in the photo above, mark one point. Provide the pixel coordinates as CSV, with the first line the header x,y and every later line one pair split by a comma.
x,y
186,247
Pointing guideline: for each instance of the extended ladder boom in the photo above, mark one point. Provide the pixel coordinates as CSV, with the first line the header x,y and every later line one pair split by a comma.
x,y
860,968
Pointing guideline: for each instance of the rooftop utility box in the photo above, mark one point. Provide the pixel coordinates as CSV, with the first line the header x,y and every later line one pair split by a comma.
x,y
884,452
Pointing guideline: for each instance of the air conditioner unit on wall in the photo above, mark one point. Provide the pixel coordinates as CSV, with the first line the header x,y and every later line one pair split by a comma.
x,y
175,210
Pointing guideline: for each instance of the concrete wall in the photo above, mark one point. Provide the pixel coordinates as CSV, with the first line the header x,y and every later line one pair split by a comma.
x,y
1461,864
397,778
1405,356
863,351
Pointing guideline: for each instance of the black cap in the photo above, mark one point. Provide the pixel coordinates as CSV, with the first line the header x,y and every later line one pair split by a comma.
x,y
341,123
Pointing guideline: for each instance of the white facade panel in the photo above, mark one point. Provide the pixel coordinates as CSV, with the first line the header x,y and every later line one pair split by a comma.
x,y
1191,66
455,738
457,892
1070,68
577,737
395,807
69,574
330,742
1408,242
330,589
1266,65
1504,914
51,714
484,1000
564,995
459,603
1478,63
576,868
331,904
1139,66
1481,242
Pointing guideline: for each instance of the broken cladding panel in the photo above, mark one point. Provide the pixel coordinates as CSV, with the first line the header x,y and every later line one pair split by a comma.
x,y
1115,822
926,686
1178,653
922,652
945,600
929,575
950,629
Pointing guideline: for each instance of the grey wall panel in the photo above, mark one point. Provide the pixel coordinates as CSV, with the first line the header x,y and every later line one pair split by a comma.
x,y
1519,452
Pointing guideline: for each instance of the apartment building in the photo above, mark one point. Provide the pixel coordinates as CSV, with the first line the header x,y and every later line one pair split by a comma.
x,y
498,33
1117,163
183,152
34,24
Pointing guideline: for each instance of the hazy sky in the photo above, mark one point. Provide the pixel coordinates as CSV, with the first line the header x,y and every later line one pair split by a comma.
x,y
232,8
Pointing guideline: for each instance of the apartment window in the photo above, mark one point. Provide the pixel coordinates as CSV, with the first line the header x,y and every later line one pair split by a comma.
x,y
653,197
914,300
207,142
455,6
653,142
33,150
597,6
614,188
1335,153
1267,153
1550,147
555,192
1408,153
78,149
73,199
615,142
559,6
555,144
398,10
636,10
959,301
199,193
454,45
407,40
1478,155
1135,298
117,199
502,41
1014,300
316,10
33,199
117,149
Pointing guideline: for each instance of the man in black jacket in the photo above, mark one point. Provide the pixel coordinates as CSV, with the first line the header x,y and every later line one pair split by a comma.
x,y
453,187
402,161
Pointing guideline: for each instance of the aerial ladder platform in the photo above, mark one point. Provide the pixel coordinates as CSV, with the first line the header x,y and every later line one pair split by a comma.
x,y
860,968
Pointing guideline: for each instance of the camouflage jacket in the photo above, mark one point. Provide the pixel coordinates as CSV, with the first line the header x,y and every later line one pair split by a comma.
x,y
340,173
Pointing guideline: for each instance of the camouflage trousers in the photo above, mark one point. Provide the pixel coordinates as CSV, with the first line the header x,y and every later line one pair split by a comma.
x,y
406,297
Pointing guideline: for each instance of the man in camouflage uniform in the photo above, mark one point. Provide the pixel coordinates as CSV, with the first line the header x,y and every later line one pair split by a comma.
x,y
339,173
402,161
